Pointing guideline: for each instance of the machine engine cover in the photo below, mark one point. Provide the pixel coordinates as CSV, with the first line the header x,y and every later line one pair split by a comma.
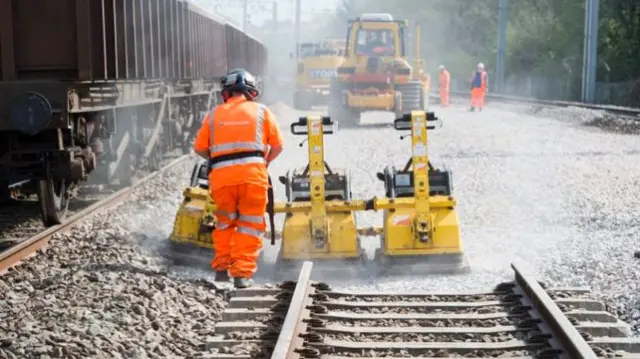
x,y
337,185
400,183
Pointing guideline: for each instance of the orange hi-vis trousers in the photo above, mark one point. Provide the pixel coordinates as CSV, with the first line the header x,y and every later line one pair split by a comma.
x,y
237,239
477,97
444,96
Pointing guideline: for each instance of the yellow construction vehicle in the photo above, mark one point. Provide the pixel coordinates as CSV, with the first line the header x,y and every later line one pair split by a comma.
x,y
317,64
376,74
421,233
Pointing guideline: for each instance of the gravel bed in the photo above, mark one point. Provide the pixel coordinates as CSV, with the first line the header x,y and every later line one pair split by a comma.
x,y
419,337
538,188
103,290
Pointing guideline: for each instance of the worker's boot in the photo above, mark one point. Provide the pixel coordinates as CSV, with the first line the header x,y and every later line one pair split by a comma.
x,y
222,276
242,282
472,109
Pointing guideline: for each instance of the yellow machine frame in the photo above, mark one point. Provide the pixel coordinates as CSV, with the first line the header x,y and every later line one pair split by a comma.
x,y
410,223
311,230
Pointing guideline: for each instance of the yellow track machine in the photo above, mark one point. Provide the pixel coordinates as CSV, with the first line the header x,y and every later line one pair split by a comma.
x,y
190,242
317,66
377,74
320,223
421,233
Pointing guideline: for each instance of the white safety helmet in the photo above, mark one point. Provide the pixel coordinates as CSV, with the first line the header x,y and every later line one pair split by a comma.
x,y
441,67
480,66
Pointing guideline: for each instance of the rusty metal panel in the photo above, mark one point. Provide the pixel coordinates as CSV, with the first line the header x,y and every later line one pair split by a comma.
x,y
182,40
96,29
207,47
168,38
163,38
7,54
171,37
155,41
220,50
197,45
44,43
145,24
230,46
189,44
83,40
201,45
130,38
109,38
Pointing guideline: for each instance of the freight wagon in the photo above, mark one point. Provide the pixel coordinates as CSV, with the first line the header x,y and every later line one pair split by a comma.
x,y
95,89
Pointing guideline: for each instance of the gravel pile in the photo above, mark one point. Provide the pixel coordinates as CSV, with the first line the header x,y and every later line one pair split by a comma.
x,y
103,291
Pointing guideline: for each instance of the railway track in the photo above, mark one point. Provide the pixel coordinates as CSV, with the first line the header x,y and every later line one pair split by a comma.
x,y
618,110
518,319
21,219
23,233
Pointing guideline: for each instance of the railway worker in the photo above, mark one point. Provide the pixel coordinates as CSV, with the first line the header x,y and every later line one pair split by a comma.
x,y
479,86
240,138
444,83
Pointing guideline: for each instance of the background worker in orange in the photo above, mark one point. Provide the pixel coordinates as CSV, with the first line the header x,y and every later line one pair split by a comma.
x,y
444,83
240,138
479,86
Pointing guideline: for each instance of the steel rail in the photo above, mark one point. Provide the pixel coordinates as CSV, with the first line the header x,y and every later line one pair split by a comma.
x,y
284,347
627,111
22,250
561,328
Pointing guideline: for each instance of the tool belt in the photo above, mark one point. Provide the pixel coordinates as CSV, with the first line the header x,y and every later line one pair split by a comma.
x,y
270,195
234,156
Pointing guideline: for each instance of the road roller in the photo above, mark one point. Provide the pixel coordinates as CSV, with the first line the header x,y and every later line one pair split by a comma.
x,y
421,231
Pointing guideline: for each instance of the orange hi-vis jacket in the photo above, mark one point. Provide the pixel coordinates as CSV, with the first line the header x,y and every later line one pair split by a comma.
x,y
444,79
237,134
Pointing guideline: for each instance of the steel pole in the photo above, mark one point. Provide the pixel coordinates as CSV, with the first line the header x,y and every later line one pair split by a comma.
x,y
503,9
593,50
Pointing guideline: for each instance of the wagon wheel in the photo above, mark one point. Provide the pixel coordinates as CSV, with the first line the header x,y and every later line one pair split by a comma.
x,y
54,200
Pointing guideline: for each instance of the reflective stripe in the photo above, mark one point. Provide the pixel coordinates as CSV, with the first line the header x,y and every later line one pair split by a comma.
x,y
241,161
222,226
251,219
257,145
249,231
229,215
249,146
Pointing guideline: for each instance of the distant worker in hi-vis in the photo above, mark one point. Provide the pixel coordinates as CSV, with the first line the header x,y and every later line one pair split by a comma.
x,y
444,84
239,138
479,86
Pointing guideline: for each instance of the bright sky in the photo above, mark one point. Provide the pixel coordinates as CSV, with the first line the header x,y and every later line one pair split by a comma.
x,y
261,10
